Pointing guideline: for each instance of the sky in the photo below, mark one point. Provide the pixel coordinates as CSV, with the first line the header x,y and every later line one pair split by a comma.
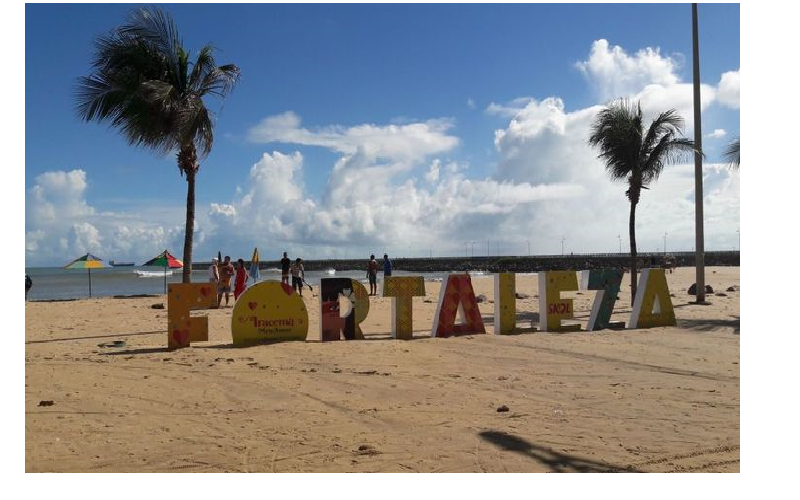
x,y
406,129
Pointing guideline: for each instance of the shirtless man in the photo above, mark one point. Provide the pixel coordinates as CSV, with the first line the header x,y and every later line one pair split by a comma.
x,y
225,274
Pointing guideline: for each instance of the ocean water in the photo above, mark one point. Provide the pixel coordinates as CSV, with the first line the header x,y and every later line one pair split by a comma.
x,y
54,283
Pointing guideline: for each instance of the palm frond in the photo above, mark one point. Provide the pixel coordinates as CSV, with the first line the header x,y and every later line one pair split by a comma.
x,y
731,153
220,80
666,122
156,28
617,133
144,83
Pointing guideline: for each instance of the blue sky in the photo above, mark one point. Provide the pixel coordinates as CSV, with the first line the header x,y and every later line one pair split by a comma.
x,y
372,128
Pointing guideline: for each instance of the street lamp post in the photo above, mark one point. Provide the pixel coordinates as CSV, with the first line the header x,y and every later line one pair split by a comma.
x,y
665,243
473,249
739,247
699,257
620,243
529,248
562,244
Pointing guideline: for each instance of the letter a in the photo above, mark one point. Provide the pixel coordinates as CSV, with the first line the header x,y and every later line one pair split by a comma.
x,y
456,295
652,305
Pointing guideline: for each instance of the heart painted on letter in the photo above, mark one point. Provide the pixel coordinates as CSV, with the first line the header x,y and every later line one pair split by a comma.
x,y
252,306
181,337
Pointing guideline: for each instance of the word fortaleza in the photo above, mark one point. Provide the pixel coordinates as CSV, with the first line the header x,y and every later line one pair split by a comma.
x,y
272,311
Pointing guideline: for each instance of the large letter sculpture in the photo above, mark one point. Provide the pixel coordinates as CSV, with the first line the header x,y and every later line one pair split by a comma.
x,y
335,323
652,305
552,308
181,299
402,289
607,283
505,304
269,311
457,296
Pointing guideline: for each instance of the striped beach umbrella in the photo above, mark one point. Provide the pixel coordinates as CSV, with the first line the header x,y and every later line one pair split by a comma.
x,y
254,272
87,262
165,260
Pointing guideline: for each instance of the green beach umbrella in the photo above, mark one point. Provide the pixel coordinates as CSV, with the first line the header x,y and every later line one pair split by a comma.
x,y
165,260
87,262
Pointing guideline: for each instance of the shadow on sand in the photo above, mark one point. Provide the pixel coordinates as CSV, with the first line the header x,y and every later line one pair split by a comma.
x,y
142,350
116,336
556,461
710,325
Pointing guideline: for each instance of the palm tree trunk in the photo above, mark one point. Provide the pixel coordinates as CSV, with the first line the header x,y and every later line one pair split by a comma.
x,y
632,235
187,163
188,240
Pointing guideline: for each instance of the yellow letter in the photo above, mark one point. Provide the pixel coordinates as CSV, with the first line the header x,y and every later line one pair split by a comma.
x,y
505,303
401,289
652,305
552,308
181,299
269,310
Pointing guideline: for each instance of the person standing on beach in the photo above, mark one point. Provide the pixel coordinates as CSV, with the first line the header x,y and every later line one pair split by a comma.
x,y
213,274
28,285
225,275
387,266
285,264
298,275
241,280
372,274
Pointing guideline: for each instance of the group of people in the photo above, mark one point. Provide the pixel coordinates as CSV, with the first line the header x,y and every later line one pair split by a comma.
x,y
221,273
297,271
372,272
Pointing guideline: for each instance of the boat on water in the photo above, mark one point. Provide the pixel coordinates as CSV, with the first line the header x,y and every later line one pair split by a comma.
x,y
120,263
330,272
152,274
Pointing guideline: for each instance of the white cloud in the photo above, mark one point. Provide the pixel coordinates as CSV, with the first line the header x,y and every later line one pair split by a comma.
x,y
433,172
410,142
613,73
83,238
61,225
543,143
371,203
717,133
729,89
395,188
510,109
57,195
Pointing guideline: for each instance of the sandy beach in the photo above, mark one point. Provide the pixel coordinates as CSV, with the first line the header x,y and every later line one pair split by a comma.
x,y
650,400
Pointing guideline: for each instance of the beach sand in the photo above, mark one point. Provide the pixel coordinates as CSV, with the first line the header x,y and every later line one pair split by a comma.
x,y
655,400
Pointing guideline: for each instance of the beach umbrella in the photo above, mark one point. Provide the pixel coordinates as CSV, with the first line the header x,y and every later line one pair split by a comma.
x,y
87,262
219,257
165,260
254,272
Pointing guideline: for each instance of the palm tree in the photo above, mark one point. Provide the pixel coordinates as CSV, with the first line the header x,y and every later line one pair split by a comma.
x,y
636,155
731,154
143,84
